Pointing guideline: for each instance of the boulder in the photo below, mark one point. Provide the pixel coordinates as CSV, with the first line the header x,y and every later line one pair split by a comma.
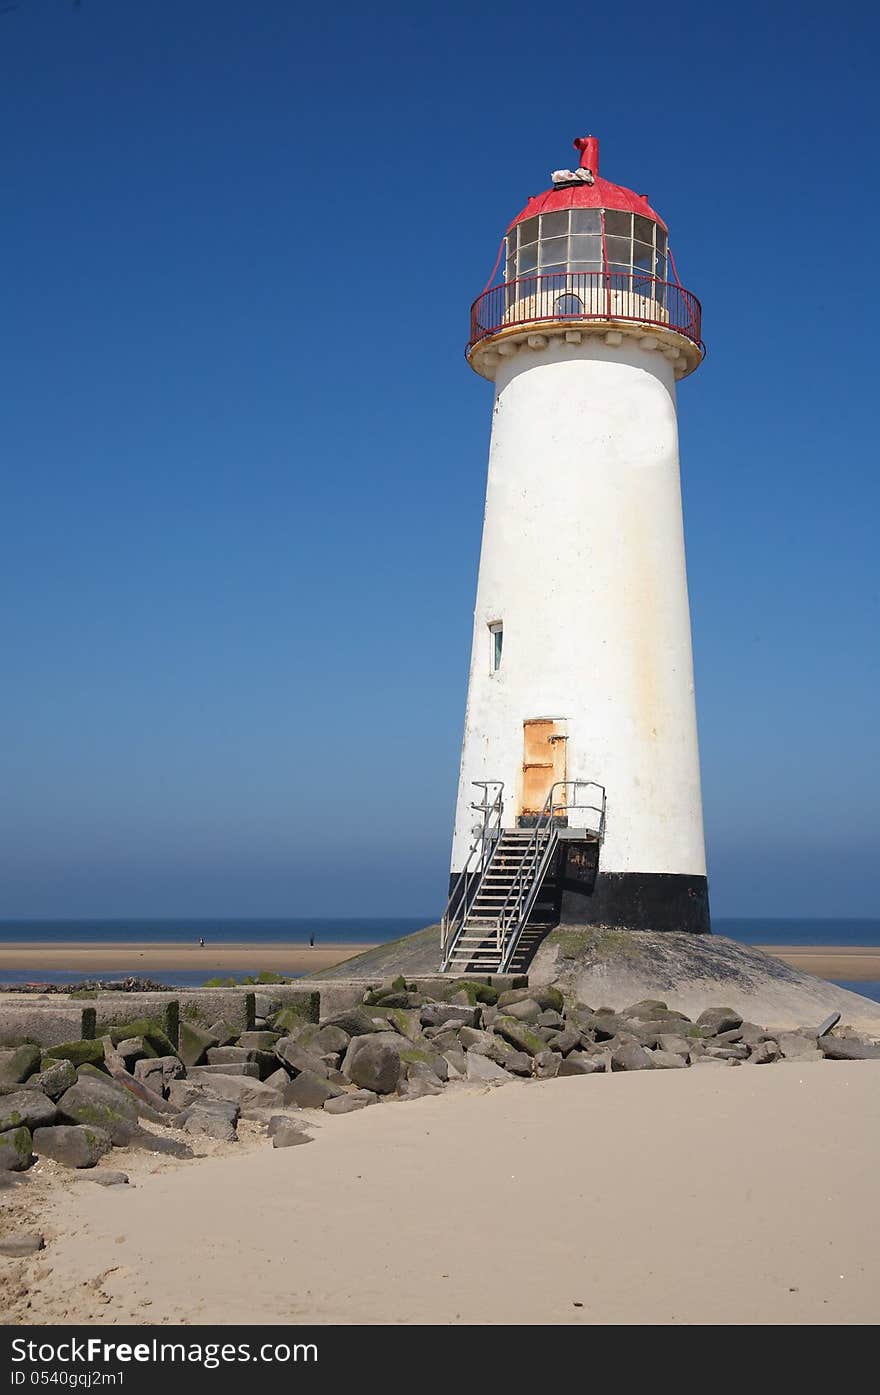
x,y
133,1049
456,1064
675,1045
278,1079
507,1056
244,1091
519,1035
208,1121
764,1054
21,1244
159,1071
225,1033
15,1150
436,1014
356,1022
794,1046
579,1063
247,1068
630,1056
719,1019
646,1008
309,1091
403,1020
373,1063
79,1053
482,1070
18,1064
475,1039
565,1041
182,1093
346,1104
29,1107
526,1010
735,1052
286,1133
667,1060
547,1065
91,1102
152,1033
257,1041
106,1177
848,1049
418,1083
55,1079
297,1058
194,1043
424,1056
72,1145
549,1018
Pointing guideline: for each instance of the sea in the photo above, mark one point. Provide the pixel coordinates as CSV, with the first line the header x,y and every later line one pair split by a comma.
x,y
347,930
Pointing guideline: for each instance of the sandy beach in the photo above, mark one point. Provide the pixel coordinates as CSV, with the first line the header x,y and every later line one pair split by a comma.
x,y
699,1196
125,957
858,963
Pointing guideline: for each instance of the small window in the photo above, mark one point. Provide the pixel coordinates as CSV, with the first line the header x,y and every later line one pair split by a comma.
x,y
496,637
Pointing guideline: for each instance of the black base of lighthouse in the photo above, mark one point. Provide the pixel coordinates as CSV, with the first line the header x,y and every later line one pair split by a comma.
x,y
638,901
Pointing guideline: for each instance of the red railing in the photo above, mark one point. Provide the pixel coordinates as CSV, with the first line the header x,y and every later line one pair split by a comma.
x,y
586,295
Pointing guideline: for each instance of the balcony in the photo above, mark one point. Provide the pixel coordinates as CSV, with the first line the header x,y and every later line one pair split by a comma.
x,y
613,298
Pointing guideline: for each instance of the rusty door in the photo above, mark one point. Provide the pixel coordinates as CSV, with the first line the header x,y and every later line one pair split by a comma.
x,y
544,743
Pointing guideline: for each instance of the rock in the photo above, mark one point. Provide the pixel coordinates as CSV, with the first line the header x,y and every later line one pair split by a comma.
x,y
346,1104
481,1069
182,1093
287,1134
419,1075
309,1091
630,1056
224,1033
21,1244
373,1062
106,1177
547,1065
456,1064
604,1026
566,1040
828,1024
527,1010
29,1107
144,1027
554,1020
751,1034
719,1019
475,1039
19,1064
257,1041
436,1014
737,1052
796,1047
201,1119
55,1079
646,1008
674,1045
297,1058
194,1043
764,1054
709,1061
667,1060
731,1038
79,1053
133,1049
519,1035
424,1056
403,1020
579,1063
159,1071
92,1102
356,1022
228,1056
72,1145
15,1150
848,1049
507,1056
248,1068
277,1079
244,1091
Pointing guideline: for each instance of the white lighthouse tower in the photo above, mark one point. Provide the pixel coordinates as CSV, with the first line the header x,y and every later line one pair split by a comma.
x,y
579,798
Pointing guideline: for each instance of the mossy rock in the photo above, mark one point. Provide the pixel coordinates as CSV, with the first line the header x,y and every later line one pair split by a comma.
x,y
151,1031
16,1146
220,983
519,1035
88,1069
19,1064
194,1042
399,984
78,1053
476,992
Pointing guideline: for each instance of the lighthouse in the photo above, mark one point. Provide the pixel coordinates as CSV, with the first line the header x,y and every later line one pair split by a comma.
x,y
579,795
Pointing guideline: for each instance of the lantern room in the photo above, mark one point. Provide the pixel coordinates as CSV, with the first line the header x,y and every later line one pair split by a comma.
x,y
586,256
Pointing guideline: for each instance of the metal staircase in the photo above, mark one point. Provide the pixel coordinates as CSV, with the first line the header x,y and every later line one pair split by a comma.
x,y
490,904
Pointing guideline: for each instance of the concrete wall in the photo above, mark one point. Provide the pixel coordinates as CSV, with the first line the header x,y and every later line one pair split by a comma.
x,y
583,562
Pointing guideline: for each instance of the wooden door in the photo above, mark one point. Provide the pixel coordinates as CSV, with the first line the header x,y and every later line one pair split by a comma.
x,y
544,743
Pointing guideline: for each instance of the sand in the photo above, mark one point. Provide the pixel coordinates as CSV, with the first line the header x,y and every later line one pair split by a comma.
x,y
857,963
711,1195
44,957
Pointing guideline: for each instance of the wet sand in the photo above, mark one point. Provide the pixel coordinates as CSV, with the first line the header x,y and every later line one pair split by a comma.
x,y
44,958
856,963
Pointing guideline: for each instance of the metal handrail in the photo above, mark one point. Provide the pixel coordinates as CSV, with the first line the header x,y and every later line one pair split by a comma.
x,y
628,297
530,874
476,864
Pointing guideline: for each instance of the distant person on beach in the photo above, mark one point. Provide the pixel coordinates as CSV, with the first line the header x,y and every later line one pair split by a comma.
x,y
312,940
201,942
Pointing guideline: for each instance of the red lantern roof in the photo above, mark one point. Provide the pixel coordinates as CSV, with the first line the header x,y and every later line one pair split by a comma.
x,y
598,194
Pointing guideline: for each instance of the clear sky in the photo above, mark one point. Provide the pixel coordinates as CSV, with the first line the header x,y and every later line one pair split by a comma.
x,y
244,460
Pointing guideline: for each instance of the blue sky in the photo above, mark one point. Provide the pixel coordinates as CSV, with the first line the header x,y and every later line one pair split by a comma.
x,y
244,460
